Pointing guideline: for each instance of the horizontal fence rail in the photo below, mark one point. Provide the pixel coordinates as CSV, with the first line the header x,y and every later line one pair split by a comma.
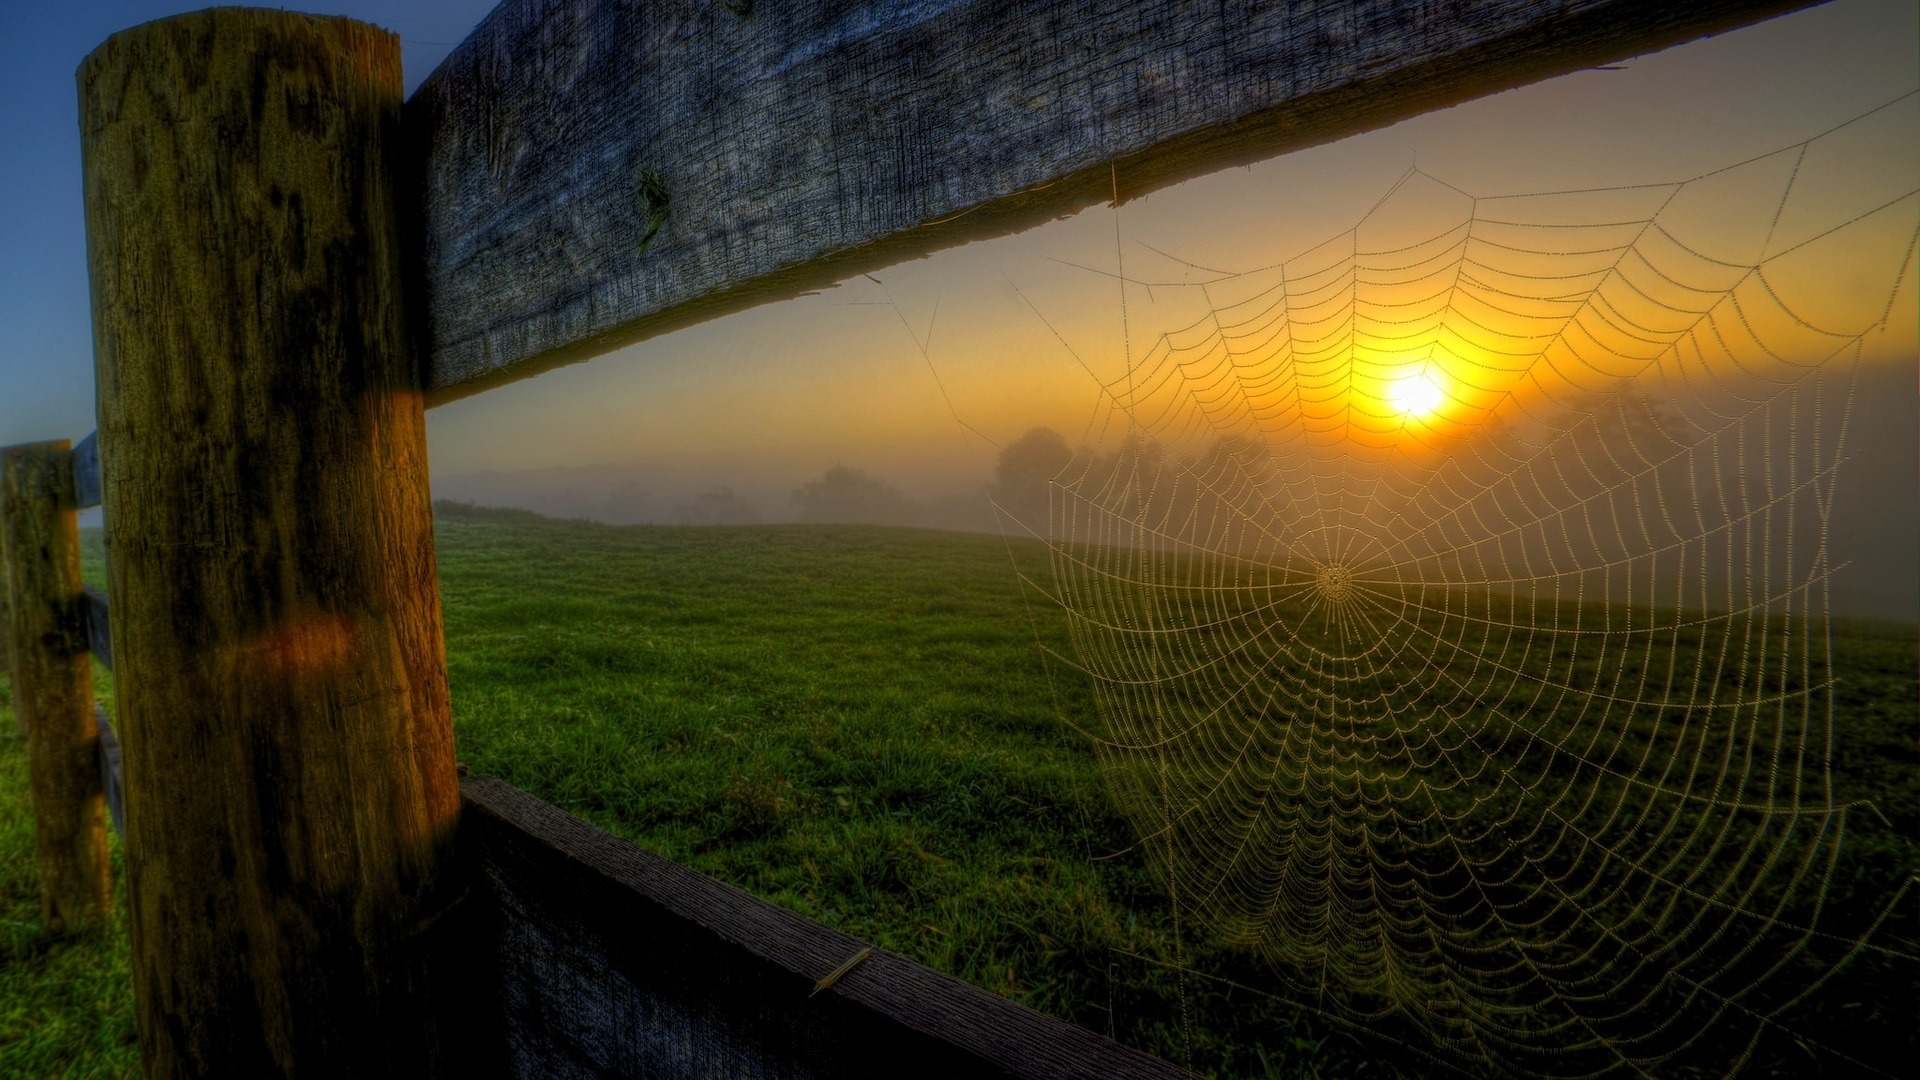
x,y
86,472
594,174
99,641
110,769
610,960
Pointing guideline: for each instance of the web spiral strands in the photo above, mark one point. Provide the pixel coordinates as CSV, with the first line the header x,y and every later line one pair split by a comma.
x,y
1455,596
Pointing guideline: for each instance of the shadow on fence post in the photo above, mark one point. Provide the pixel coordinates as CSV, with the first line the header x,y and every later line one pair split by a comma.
x,y
291,799
53,683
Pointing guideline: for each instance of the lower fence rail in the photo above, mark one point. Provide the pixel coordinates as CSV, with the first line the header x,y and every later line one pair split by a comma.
x,y
607,960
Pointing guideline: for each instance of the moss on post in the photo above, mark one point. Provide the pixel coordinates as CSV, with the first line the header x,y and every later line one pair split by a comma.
x,y
53,688
288,758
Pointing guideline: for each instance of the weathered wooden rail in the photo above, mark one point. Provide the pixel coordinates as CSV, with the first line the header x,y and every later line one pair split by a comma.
x,y
801,143
611,961
288,264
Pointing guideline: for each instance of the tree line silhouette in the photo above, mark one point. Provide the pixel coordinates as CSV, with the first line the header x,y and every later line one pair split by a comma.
x,y
1608,494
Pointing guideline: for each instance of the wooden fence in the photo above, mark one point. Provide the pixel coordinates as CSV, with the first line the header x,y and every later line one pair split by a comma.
x,y
580,954
288,264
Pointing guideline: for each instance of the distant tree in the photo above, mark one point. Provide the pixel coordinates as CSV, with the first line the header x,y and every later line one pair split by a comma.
x,y
720,506
1599,496
1129,482
1225,496
1027,466
845,494
1222,497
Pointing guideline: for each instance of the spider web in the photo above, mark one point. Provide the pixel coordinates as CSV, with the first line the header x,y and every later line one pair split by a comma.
x,y
1455,595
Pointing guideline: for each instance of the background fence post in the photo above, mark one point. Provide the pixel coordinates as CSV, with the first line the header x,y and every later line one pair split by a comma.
x,y
287,748
53,683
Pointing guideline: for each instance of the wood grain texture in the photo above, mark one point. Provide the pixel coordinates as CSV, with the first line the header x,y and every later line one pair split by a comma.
x,y
806,141
288,763
53,688
613,961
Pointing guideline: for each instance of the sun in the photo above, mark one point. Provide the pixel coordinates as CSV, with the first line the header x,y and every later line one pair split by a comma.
x,y
1416,395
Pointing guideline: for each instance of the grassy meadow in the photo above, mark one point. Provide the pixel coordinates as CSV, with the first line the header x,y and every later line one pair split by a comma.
x,y
855,723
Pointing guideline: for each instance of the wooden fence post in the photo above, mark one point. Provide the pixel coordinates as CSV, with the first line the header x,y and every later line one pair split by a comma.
x,y
288,763
53,683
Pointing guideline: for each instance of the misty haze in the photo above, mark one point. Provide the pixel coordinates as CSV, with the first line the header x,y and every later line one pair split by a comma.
x,y
1872,535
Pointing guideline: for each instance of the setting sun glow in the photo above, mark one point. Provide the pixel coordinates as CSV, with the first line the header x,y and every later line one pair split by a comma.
x,y
1416,395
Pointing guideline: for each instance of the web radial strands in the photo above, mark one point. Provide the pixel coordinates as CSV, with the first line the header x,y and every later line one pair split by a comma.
x,y
1455,595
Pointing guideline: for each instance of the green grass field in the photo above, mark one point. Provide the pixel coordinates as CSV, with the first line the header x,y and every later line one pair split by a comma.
x,y
856,723
852,722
